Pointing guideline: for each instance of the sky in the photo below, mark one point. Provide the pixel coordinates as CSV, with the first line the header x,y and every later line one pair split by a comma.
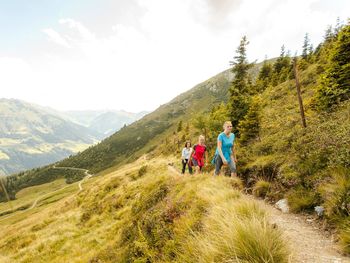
x,y
136,55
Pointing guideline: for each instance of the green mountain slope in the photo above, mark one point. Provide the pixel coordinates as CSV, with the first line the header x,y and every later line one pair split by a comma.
x,y
144,135
31,137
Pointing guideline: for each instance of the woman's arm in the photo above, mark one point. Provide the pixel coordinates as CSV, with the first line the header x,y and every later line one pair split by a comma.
x,y
183,154
191,151
233,153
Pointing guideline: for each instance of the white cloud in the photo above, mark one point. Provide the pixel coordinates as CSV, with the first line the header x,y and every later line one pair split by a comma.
x,y
55,37
82,30
174,48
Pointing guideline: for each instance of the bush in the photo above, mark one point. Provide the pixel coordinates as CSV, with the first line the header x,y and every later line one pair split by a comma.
x,y
336,194
261,188
301,199
142,170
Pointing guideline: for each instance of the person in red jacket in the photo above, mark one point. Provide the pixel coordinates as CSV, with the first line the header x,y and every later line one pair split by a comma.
x,y
199,156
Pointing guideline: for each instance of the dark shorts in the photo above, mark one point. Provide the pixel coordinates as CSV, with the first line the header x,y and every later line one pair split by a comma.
x,y
219,164
195,163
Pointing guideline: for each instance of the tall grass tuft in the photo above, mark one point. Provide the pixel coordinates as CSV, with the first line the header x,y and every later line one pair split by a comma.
x,y
336,194
301,199
261,188
238,233
237,183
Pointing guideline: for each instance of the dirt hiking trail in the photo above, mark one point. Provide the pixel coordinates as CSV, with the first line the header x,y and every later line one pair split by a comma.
x,y
307,243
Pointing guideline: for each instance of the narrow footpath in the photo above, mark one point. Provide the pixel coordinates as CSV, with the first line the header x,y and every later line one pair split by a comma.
x,y
308,244
86,177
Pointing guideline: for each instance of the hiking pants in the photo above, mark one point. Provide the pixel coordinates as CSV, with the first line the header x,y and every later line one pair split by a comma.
x,y
184,163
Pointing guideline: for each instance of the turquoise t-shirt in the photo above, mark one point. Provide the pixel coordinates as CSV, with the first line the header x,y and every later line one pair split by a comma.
x,y
227,144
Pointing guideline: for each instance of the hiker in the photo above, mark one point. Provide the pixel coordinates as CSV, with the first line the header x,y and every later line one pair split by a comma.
x,y
200,155
185,157
225,151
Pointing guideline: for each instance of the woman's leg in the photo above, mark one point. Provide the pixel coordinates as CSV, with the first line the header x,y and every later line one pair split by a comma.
x,y
190,168
233,169
196,165
218,164
184,165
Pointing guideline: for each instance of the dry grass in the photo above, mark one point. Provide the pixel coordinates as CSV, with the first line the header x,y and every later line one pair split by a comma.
x,y
154,216
261,188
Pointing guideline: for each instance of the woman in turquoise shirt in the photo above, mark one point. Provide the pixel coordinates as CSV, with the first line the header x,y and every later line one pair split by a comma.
x,y
225,151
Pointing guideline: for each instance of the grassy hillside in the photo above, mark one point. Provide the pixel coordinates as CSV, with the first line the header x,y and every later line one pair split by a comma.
x,y
31,137
280,159
149,134
131,141
146,134
145,212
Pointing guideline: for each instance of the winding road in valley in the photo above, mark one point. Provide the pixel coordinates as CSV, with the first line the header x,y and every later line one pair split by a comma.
x,y
86,177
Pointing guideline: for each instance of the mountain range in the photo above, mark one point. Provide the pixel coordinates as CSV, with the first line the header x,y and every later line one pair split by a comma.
x,y
33,136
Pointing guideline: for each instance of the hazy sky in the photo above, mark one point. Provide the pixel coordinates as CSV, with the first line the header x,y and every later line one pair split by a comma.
x,y
138,54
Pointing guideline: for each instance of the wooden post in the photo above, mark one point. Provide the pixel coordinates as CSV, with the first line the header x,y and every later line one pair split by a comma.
x,y
298,92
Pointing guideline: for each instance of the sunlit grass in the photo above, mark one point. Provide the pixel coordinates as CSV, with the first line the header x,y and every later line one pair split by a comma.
x,y
30,194
137,214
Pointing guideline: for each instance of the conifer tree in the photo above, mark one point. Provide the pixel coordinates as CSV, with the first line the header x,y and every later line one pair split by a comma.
x,y
241,85
306,47
187,128
249,127
329,35
264,77
179,126
335,82
282,67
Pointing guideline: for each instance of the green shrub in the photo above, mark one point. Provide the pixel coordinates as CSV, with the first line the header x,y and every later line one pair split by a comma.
x,y
336,193
142,170
301,199
261,188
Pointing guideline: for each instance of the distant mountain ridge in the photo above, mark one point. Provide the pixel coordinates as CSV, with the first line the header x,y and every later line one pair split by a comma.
x,y
33,136
105,122
30,137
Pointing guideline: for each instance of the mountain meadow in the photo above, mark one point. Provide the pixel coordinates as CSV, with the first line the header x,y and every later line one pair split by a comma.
x,y
291,116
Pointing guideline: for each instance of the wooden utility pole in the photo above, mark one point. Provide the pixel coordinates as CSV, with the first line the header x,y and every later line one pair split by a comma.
x,y
299,92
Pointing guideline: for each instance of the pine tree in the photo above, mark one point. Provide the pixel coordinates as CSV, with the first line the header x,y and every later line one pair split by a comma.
x,y
241,85
187,128
179,126
264,77
306,47
329,35
335,83
249,127
338,26
282,67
